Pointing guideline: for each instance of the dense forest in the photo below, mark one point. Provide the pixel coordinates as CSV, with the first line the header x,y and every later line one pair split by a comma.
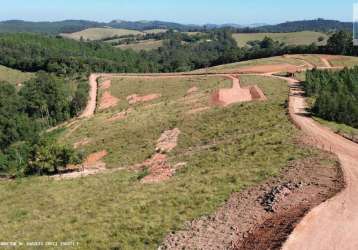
x,y
67,26
41,102
31,52
336,94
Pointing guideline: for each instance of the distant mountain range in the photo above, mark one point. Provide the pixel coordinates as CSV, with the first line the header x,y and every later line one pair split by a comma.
x,y
69,26
319,24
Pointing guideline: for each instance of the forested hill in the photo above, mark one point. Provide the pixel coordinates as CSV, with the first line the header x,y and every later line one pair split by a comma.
x,y
34,52
320,25
67,26
70,26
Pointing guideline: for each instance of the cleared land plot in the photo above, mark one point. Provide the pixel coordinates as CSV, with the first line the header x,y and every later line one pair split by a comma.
x,y
292,38
226,150
102,33
142,45
234,67
14,76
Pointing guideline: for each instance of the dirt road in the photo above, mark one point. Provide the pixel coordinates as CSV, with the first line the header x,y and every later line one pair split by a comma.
x,y
91,104
333,224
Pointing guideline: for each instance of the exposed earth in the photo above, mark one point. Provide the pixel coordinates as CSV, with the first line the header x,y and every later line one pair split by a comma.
x,y
264,216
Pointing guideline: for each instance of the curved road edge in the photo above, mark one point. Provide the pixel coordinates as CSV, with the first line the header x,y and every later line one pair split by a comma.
x,y
334,223
92,101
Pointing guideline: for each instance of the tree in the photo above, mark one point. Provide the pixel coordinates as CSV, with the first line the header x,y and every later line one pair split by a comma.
x,y
340,43
48,157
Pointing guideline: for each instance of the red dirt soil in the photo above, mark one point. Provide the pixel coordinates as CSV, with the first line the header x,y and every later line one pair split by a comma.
x,y
120,116
262,216
107,101
91,105
261,69
158,166
226,97
133,99
93,159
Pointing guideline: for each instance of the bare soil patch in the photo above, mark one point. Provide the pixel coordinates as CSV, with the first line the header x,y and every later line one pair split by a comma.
x,y
108,101
92,166
94,159
168,141
157,166
120,116
262,69
226,97
91,104
263,216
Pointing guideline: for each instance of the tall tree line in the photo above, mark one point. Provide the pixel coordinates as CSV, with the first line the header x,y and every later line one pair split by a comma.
x,y
336,94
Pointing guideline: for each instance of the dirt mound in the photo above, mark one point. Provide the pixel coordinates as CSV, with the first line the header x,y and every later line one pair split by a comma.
x,y
257,94
226,97
157,166
94,159
167,141
245,222
133,99
120,116
105,85
107,101
261,69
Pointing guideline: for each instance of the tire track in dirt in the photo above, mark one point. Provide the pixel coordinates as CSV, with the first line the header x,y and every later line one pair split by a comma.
x,y
92,101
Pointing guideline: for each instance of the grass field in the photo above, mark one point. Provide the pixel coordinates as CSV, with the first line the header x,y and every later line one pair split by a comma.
x,y
14,76
227,68
102,33
142,45
226,150
293,38
347,61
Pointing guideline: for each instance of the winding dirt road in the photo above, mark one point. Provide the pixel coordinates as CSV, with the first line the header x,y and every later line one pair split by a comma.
x,y
333,224
92,101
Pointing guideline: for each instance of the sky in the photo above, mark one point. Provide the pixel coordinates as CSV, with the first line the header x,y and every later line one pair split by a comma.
x,y
182,11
